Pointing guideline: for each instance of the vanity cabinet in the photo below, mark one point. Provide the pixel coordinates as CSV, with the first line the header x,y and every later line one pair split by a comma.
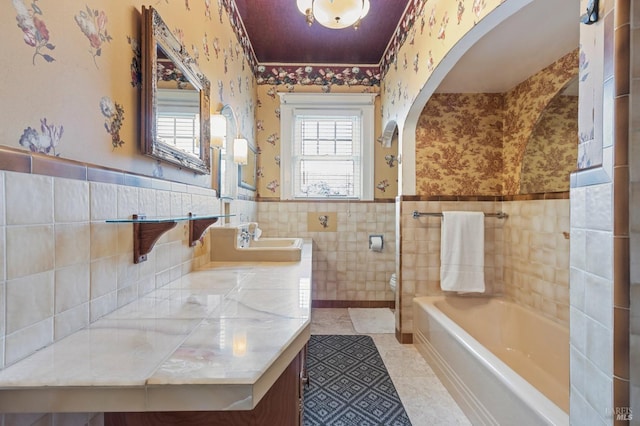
x,y
282,405
213,340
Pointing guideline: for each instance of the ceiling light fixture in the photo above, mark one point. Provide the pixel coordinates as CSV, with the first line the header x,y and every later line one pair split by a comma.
x,y
334,14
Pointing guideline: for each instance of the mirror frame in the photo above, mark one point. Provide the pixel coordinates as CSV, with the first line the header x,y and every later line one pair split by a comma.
x,y
244,170
156,33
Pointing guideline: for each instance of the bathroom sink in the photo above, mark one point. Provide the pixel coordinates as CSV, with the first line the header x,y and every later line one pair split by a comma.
x,y
227,244
275,243
270,250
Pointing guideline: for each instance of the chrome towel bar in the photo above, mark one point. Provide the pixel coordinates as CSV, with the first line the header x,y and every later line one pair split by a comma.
x,y
499,215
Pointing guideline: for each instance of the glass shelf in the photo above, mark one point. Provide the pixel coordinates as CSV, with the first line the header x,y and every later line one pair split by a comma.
x,y
147,230
163,219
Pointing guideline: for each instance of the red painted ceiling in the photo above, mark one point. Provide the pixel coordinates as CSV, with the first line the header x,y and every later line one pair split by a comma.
x,y
279,34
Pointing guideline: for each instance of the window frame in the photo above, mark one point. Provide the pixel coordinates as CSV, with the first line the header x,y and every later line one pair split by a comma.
x,y
172,138
179,104
292,104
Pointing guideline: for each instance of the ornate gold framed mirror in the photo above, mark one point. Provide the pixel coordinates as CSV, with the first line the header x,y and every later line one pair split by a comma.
x,y
175,99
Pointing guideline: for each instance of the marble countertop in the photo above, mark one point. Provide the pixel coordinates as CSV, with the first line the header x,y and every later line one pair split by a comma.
x,y
215,339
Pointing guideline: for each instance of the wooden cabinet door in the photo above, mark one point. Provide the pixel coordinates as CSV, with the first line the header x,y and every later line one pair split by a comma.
x,y
282,405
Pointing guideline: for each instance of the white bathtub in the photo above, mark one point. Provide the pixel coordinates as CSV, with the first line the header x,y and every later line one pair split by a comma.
x,y
502,363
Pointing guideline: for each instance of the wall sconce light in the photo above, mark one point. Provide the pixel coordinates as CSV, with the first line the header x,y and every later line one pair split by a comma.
x,y
240,151
240,145
218,130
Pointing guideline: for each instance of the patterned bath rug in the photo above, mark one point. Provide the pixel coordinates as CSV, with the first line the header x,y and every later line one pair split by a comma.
x,y
373,320
349,384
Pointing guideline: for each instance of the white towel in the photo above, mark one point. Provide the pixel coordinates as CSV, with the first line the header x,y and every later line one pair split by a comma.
x,y
462,252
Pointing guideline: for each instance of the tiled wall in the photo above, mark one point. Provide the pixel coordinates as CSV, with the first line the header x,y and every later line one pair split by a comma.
x,y
62,266
420,252
526,255
591,314
344,269
536,256
241,210
601,208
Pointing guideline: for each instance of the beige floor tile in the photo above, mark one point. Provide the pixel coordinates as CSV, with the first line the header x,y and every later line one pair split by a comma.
x,y
331,321
425,399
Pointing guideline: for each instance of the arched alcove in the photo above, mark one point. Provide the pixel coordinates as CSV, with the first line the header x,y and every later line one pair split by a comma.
x,y
498,274
551,151
503,27
390,134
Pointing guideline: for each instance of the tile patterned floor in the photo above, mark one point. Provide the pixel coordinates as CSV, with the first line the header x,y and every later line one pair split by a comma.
x,y
425,399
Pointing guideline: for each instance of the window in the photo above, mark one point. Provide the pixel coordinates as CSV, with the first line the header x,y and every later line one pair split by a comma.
x,y
178,119
179,130
327,146
326,156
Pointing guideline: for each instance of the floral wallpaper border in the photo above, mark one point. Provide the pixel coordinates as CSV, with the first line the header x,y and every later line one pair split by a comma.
x,y
307,75
241,34
390,56
329,74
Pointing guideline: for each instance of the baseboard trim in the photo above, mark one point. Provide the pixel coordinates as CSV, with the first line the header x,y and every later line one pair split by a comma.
x,y
404,338
391,304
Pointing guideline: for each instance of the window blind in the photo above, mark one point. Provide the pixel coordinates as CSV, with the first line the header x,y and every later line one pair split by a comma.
x,y
327,155
181,131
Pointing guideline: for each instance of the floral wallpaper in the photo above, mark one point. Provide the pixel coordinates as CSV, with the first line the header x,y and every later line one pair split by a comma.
x,y
71,68
76,76
551,154
268,141
244,44
114,114
93,24
523,106
459,145
45,141
404,31
427,32
474,144
34,29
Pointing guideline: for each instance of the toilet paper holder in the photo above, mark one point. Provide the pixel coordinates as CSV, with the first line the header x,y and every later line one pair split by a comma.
x,y
376,242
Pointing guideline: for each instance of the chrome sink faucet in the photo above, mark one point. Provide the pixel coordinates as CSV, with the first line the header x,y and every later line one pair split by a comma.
x,y
245,237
